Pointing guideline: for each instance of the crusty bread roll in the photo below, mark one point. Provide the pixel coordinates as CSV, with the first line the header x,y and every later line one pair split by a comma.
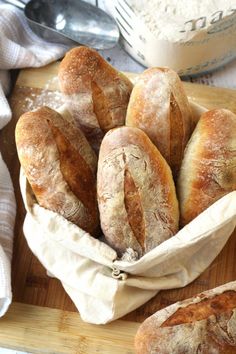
x,y
159,106
136,193
60,166
204,324
97,94
208,170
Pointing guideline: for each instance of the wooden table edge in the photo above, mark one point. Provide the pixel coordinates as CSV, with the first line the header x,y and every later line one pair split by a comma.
x,y
45,330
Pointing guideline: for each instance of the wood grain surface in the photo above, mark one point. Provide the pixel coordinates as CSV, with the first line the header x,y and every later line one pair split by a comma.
x,y
46,330
31,285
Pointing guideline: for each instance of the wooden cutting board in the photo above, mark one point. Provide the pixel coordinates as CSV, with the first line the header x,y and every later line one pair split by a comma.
x,y
42,318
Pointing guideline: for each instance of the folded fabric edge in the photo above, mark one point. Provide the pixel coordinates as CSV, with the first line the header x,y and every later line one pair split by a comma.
x,y
127,266
105,254
5,302
180,236
106,312
5,282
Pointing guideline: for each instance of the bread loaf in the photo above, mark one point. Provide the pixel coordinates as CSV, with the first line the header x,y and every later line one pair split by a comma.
x,y
60,166
204,324
208,171
159,106
136,193
97,94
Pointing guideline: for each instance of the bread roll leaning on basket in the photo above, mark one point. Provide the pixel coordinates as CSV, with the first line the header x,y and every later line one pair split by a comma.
x,y
111,272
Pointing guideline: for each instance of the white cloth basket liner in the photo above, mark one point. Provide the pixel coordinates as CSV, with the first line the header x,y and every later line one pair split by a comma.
x,y
104,288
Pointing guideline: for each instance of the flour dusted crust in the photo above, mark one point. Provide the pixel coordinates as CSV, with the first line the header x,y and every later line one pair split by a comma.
x,y
136,193
208,170
215,333
96,94
159,106
60,166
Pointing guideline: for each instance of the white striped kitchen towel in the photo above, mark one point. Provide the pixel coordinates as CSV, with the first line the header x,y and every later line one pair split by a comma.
x,y
19,48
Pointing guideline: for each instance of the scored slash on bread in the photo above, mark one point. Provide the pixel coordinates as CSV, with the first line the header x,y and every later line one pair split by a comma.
x,y
159,106
204,324
60,166
208,170
96,94
135,188
136,193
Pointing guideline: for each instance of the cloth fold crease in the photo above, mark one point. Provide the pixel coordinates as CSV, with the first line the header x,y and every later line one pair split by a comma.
x,y
19,48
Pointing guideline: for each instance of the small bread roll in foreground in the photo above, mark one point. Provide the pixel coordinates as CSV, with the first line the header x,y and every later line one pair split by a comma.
x,y
136,193
96,94
159,106
60,166
204,324
208,171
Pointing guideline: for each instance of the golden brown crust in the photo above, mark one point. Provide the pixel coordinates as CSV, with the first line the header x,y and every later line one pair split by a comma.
x,y
208,171
159,106
59,165
220,303
136,193
96,93
203,324
133,207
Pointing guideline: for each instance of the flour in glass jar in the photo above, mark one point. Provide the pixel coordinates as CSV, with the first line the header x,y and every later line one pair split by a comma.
x,y
174,20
